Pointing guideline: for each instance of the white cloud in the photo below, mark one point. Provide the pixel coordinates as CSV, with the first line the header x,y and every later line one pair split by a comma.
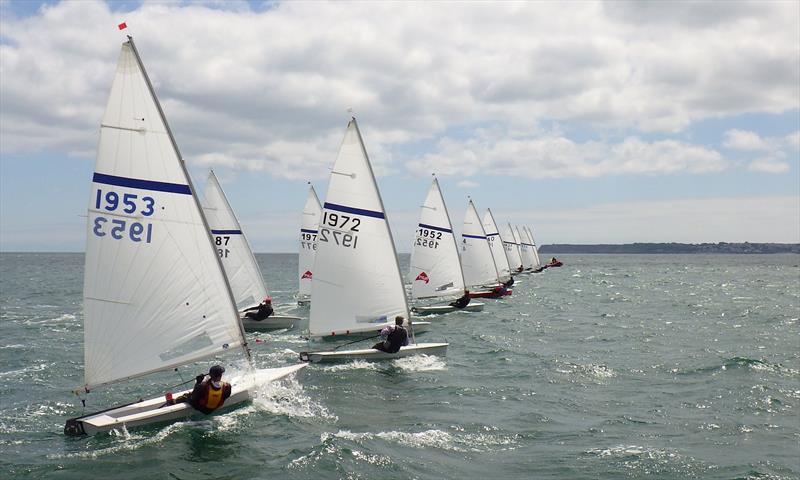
x,y
556,157
268,90
467,184
751,219
793,140
744,140
769,164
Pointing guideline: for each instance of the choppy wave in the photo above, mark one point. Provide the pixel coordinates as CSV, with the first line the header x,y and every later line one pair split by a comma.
x,y
643,460
420,363
456,442
743,363
288,397
352,365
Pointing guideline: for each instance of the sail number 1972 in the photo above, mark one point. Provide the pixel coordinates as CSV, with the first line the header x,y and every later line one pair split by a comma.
x,y
340,229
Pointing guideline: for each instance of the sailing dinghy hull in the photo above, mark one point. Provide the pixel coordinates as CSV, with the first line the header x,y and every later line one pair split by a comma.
x,y
370,354
273,322
154,410
440,309
490,294
419,327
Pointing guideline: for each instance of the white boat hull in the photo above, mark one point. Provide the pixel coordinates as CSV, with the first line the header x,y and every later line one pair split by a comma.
x,y
371,354
273,322
154,410
440,309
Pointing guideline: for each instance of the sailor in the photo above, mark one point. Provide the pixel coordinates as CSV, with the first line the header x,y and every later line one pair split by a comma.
x,y
209,392
395,336
461,302
262,311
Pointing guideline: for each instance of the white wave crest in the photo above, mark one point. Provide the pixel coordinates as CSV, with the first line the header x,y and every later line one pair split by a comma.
x,y
461,442
420,363
287,397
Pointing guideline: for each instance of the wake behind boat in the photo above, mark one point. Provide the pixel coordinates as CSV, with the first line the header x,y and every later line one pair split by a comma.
x,y
357,284
155,295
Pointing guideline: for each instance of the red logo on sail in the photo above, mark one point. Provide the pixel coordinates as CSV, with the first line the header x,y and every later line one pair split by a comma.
x,y
306,275
423,276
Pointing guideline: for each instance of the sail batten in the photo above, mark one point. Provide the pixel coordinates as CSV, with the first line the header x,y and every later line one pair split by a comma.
x,y
155,296
435,268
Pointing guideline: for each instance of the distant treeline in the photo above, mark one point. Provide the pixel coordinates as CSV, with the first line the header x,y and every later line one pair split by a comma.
x,y
722,247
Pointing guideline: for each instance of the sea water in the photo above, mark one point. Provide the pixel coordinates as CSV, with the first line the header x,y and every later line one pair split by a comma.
x,y
641,366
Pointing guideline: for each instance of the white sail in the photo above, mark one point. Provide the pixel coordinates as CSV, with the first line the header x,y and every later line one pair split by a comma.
x,y
496,244
312,212
476,255
524,250
241,268
155,295
536,260
435,266
512,249
357,284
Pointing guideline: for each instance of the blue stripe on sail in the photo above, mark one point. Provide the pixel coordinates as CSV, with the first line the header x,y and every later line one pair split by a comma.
x,y
492,234
305,230
480,237
438,229
226,232
141,184
356,211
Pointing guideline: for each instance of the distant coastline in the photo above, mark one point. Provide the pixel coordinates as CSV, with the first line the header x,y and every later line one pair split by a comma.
x,y
683,248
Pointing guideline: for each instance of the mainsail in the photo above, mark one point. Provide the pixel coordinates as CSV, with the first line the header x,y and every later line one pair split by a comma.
x,y
476,255
496,244
536,260
524,249
435,267
512,249
357,283
155,295
234,251
312,212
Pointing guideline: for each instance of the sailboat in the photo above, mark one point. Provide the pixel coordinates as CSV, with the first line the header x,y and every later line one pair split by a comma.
x,y
498,250
537,262
155,296
480,272
357,285
512,250
528,260
435,271
238,261
312,212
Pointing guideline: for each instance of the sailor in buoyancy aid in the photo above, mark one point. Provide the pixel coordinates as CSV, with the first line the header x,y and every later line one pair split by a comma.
x,y
209,392
461,302
396,336
261,311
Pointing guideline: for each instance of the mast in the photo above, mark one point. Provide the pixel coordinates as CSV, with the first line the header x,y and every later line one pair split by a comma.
x,y
149,84
452,234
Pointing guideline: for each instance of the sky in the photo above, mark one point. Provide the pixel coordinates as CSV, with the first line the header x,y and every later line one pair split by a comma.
x,y
591,122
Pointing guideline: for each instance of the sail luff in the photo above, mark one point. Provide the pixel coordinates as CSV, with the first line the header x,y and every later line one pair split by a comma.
x,y
386,219
239,263
450,224
243,339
